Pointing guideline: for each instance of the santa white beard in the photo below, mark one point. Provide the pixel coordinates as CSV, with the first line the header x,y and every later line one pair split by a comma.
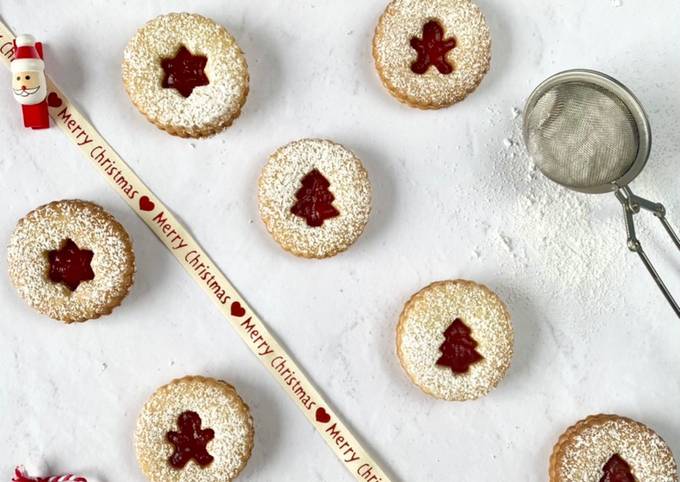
x,y
32,96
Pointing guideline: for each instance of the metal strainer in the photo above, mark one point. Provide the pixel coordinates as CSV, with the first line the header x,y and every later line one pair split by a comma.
x,y
588,132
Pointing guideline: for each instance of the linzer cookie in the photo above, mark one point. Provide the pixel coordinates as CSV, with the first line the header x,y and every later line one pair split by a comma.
x,y
455,340
432,53
186,74
609,448
71,260
314,197
194,429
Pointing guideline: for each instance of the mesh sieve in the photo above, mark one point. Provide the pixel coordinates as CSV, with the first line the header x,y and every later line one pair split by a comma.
x,y
588,132
581,135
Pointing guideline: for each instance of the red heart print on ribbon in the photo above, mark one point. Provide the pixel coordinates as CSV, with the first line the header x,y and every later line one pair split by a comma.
x,y
237,310
146,204
322,415
53,100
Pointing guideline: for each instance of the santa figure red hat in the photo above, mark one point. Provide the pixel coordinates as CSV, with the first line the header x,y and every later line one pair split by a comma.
x,y
29,84
26,55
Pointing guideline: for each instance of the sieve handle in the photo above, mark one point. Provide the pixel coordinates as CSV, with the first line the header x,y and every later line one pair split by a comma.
x,y
632,205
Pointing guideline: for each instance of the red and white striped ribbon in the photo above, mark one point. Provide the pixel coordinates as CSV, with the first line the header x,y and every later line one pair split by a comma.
x,y
20,475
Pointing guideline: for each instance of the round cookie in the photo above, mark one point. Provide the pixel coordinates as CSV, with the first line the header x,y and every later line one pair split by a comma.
x,y
455,340
609,448
432,53
194,429
314,197
186,74
71,260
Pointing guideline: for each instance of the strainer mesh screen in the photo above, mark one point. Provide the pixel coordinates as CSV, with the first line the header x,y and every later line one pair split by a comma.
x,y
581,135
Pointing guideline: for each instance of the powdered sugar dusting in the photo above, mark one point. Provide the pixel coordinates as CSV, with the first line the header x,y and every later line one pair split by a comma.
x,y
208,107
587,446
349,183
220,408
90,227
420,334
580,242
393,54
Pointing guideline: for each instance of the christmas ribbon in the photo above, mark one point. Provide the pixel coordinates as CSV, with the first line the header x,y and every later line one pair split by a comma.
x,y
205,272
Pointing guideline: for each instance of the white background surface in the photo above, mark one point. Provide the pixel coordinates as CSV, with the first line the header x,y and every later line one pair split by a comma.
x,y
453,197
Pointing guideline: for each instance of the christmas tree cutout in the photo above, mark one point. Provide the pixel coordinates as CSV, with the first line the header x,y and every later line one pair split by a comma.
x,y
314,200
458,350
617,470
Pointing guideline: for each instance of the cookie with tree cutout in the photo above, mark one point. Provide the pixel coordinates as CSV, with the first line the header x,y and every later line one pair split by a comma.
x,y
455,340
314,197
610,448
194,429
432,53
71,260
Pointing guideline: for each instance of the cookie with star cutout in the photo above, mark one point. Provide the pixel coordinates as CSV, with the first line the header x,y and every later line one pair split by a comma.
x,y
71,260
610,448
314,197
455,340
194,429
186,74
432,53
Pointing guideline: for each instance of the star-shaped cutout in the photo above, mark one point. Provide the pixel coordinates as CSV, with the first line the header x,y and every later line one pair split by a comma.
x,y
184,72
432,49
190,442
70,265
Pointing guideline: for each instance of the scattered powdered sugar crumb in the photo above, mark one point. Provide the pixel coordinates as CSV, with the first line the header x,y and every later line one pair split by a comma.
x,y
616,3
507,242
554,243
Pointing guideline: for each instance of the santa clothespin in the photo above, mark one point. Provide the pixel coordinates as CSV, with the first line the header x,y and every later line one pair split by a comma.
x,y
29,84
21,475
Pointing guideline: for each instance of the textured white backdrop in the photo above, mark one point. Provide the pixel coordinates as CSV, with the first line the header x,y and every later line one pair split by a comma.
x,y
454,196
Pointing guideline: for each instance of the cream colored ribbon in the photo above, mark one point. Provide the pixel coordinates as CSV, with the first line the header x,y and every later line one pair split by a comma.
x,y
201,268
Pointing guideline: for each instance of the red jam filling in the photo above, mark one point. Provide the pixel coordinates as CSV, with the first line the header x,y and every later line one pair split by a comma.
x,y
617,470
458,350
70,265
190,442
432,49
314,200
184,72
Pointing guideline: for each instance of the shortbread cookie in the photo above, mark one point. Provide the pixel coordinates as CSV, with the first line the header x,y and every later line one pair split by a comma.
x,y
314,197
194,429
71,260
432,53
609,448
455,340
186,74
